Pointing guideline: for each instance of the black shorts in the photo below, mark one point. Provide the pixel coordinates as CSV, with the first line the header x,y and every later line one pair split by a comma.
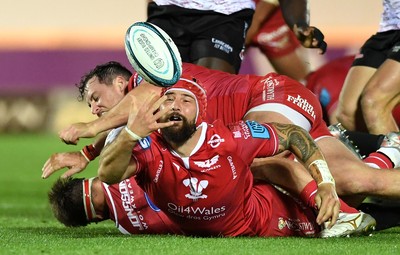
x,y
200,34
378,48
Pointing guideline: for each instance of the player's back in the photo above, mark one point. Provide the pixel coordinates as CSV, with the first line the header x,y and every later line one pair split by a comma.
x,y
133,212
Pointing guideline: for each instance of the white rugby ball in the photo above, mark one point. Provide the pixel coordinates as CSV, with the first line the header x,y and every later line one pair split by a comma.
x,y
153,54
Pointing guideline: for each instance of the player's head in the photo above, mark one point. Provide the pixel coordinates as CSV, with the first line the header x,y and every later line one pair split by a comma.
x,y
189,102
104,86
71,203
191,86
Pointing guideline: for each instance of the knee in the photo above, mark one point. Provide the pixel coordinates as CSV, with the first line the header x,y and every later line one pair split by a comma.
x,y
371,107
345,117
368,101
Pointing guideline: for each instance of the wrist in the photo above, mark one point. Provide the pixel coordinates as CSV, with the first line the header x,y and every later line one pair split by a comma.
x,y
322,167
89,152
132,134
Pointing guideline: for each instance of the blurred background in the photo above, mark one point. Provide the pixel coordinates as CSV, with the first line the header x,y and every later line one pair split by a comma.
x,y
46,46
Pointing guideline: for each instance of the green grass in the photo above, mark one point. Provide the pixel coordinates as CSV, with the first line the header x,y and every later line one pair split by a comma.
x,y
28,227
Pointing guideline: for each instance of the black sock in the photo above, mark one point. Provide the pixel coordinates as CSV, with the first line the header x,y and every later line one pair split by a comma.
x,y
365,142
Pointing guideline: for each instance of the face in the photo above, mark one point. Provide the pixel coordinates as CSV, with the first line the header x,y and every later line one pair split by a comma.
x,y
102,97
184,112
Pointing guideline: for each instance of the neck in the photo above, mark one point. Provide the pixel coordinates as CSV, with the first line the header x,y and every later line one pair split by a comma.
x,y
99,200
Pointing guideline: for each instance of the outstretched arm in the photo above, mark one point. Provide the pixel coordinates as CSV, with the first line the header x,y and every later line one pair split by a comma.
x,y
115,159
75,161
116,117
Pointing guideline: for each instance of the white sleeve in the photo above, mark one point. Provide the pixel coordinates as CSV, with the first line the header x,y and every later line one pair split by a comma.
x,y
112,135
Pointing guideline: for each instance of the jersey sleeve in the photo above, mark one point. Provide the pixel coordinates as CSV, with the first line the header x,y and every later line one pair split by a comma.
x,y
254,139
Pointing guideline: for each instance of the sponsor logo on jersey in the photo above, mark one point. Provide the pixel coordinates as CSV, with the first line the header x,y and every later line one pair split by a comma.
x,y
215,141
197,213
269,88
276,38
193,212
237,134
257,130
245,130
159,169
145,143
232,165
303,104
128,203
296,225
207,163
196,188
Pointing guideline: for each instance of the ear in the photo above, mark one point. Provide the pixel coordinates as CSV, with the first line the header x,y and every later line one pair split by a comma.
x,y
121,82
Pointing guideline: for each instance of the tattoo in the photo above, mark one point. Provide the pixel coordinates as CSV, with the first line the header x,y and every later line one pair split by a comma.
x,y
297,140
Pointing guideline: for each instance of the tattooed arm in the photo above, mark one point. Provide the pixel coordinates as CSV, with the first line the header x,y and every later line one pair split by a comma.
x,y
299,142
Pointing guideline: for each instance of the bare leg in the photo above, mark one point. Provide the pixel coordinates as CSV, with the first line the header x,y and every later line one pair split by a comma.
x,y
348,112
379,98
352,175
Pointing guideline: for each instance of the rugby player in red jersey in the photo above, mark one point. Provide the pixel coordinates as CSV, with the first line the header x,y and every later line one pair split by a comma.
x,y
199,174
231,98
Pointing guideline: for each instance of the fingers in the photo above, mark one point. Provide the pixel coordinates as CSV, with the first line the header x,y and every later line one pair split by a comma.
x,y
311,37
74,161
46,169
70,172
50,166
158,103
70,142
328,204
325,211
158,112
318,40
329,213
67,136
335,215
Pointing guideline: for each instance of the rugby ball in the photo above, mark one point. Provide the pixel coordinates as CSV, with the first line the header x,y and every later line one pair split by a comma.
x,y
153,54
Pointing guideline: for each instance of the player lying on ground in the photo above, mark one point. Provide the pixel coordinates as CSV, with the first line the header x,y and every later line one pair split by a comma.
x,y
262,98
78,202
206,189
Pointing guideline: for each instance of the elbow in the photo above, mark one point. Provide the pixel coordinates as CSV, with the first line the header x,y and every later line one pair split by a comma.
x,y
107,176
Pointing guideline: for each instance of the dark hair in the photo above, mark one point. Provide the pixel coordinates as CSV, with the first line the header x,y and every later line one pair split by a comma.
x,y
66,201
106,73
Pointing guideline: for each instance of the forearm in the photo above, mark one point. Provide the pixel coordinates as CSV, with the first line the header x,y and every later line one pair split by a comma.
x,y
301,144
295,12
115,159
98,143
118,115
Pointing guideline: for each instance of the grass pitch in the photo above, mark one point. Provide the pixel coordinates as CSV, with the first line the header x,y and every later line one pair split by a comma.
x,y
27,225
